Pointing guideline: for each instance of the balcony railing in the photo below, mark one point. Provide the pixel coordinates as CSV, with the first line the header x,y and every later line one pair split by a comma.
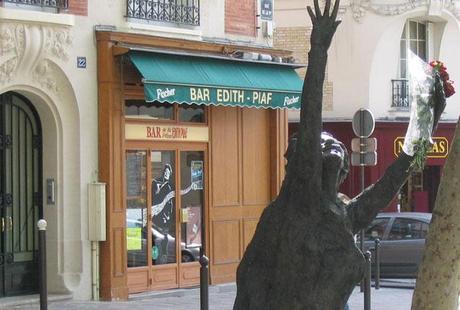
x,y
400,93
56,4
185,12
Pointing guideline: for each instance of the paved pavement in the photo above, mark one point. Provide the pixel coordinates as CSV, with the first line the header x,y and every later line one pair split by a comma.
x,y
396,297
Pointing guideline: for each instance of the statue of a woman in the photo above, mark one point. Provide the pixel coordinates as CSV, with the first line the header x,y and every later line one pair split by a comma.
x,y
303,254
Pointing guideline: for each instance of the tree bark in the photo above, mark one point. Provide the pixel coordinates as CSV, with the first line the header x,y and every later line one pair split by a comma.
x,y
438,279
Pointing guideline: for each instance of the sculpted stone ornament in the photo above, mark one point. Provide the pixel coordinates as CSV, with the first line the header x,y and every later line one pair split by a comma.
x,y
397,7
303,254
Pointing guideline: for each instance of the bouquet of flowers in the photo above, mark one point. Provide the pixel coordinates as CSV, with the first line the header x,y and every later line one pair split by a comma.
x,y
430,84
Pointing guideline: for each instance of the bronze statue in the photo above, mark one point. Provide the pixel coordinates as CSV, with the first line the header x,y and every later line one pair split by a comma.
x,y
303,254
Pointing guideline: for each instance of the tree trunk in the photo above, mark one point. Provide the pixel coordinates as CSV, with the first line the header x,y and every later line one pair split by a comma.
x,y
438,280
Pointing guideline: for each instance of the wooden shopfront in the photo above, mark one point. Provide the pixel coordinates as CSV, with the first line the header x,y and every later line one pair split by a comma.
x,y
191,146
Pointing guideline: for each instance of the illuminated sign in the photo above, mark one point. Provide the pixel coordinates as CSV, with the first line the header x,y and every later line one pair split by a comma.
x,y
166,133
440,148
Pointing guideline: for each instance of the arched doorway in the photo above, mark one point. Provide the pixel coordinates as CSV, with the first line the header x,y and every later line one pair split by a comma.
x,y
20,194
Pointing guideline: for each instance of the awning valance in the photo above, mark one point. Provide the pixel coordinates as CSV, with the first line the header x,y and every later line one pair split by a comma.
x,y
209,81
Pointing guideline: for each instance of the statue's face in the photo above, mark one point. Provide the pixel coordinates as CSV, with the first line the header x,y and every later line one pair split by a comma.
x,y
330,147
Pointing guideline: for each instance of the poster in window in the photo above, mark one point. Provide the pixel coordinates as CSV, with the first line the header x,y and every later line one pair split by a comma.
x,y
197,173
134,238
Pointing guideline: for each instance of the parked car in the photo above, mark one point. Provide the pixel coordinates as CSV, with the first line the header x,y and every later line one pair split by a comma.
x,y
402,240
138,257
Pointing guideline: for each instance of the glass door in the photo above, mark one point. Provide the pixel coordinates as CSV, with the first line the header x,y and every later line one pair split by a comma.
x,y
192,202
165,190
137,241
163,211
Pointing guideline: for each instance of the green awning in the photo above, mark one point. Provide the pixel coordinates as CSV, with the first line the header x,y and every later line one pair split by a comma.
x,y
210,81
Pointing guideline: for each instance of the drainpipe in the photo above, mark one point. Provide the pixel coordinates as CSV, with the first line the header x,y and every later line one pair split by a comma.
x,y
95,270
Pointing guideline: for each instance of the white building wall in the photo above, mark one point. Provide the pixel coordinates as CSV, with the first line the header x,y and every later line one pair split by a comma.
x,y
364,55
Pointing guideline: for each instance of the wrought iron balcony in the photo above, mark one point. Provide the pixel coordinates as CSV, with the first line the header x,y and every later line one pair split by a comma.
x,y
185,12
56,4
400,93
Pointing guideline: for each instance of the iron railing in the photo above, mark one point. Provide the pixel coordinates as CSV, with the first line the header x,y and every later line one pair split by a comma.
x,y
171,11
56,4
400,93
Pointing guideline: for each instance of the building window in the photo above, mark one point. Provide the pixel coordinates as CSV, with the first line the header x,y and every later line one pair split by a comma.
x,y
42,5
186,12
414,39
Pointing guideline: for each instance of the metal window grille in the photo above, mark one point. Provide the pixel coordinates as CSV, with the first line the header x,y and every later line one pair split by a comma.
x,y
58,4
171,11
400,93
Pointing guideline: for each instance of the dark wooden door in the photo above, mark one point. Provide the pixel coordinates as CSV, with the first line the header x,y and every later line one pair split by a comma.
x,y
20,194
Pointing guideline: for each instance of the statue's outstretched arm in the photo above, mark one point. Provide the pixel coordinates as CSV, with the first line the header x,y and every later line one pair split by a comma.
x,y
365,207
306,160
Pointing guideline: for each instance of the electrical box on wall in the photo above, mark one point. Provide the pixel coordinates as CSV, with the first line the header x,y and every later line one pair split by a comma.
x,y
96,212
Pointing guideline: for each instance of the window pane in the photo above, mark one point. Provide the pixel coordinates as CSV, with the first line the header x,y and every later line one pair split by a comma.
x,y
421,31
163,207
422,50
192,202
404,229
413,30
155,110
136,208
413,46
191,113
376,229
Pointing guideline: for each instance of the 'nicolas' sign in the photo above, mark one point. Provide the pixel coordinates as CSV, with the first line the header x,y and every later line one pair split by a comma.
x,y
440,148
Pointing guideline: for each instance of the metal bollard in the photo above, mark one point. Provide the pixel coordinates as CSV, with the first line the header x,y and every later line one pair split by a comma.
x,y
361,247
377,263
41,224
204,283
367,280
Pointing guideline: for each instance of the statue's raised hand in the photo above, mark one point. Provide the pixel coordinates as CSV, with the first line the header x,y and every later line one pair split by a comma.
x,y
324,25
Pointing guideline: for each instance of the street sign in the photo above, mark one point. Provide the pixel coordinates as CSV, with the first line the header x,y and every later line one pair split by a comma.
x,y
368,145
363,123
364,159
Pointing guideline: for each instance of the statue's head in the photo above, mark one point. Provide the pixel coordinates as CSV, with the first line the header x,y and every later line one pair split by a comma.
x,y
335,155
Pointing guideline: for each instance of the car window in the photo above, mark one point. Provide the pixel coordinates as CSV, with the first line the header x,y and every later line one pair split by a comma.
x,y
376,229
404,229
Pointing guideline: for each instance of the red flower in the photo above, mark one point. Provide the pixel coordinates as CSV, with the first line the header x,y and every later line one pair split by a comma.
x,y
449,88
444,75
438,66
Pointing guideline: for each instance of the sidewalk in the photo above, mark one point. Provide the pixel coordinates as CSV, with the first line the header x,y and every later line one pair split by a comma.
x,y
221,297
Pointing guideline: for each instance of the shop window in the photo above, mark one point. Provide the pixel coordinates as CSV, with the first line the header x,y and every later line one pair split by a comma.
x,y
191,113
153,110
